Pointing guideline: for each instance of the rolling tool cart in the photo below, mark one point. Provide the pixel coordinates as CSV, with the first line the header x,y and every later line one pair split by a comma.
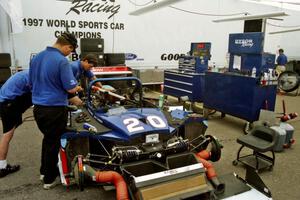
x,y
188,79
249,85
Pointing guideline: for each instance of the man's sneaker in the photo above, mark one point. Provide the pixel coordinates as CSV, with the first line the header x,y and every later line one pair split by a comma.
x,y
48,186
9,169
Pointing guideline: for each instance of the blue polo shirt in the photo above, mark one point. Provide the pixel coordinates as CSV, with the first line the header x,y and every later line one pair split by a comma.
x,y
281,59
15,86
51,76
78,70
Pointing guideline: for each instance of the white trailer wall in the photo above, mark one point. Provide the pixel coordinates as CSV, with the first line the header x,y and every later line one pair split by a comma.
x,y
162,32
5,45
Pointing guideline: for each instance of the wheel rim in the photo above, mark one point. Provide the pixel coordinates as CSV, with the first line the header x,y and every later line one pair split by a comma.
x,y
288,81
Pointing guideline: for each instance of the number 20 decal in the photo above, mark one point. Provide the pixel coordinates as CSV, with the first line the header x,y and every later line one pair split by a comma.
x,y
133,124
156,121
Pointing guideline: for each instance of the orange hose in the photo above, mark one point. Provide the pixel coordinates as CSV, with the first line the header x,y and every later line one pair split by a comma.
x,y
211,174
210,170
203,156
117,180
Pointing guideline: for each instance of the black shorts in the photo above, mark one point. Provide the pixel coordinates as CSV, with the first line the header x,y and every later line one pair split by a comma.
x,y
11,111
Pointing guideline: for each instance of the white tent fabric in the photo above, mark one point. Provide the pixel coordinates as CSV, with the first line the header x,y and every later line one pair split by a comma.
x,y
283,4
4,32
14,10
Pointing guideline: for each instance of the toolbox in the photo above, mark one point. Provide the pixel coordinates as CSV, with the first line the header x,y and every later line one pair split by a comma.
x,y
180,84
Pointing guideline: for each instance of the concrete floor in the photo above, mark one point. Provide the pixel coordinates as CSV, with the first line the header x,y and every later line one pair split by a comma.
x,y
26,145
284,179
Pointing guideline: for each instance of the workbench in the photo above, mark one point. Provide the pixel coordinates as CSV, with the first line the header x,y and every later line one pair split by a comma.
x,y
238,95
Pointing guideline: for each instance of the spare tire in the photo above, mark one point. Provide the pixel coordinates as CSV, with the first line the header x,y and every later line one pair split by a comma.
x,y
288,81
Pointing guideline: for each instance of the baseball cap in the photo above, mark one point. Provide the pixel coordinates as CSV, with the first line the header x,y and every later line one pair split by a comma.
x,y
71,39
91,58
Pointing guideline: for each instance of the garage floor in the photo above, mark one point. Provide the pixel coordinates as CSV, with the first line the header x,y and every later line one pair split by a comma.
x,y
283,181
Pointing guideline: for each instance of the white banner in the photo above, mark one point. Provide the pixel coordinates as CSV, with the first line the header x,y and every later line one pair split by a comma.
x,y
14,10
156,38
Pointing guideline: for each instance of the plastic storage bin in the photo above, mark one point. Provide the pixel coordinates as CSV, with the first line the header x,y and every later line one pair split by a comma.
x,y
281,138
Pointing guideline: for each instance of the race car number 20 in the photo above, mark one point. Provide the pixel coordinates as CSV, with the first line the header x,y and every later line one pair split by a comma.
x,y
133,124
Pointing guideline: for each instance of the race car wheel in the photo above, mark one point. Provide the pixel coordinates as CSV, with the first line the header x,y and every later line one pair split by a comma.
x,y
288,81
215,148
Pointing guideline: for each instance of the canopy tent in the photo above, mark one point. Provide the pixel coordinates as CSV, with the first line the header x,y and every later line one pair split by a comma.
x,y
283,4
13,8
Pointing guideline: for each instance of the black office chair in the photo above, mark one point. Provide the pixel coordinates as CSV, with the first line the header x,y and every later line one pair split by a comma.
x,y
261,140
5,63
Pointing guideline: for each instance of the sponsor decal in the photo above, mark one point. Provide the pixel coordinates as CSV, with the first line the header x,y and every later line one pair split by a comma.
x,y
107,7
73,82
244,42
171,56
130,56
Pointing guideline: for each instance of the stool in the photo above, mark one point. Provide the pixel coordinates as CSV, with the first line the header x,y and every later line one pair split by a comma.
x,y
261,139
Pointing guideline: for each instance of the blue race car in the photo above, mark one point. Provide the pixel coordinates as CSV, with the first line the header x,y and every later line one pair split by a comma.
x,y
144,151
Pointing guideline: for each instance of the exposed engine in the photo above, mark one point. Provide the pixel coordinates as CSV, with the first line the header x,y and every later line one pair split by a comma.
x,y
157,151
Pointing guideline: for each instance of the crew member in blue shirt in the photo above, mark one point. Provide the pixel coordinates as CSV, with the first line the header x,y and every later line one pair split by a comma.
x,y
15,99
281,61
51,77
82,68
